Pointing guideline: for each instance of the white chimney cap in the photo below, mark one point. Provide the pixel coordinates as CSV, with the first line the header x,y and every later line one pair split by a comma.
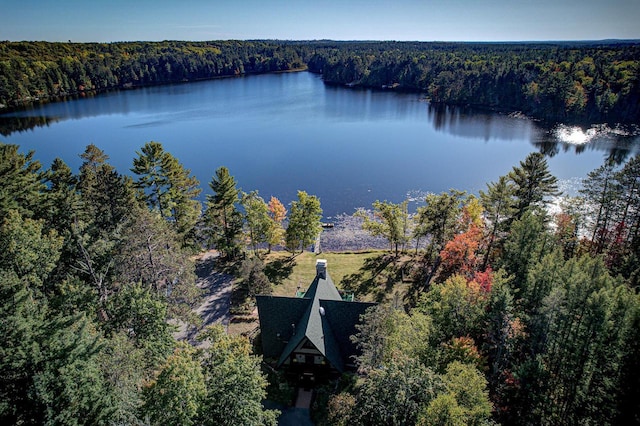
x,y
321,268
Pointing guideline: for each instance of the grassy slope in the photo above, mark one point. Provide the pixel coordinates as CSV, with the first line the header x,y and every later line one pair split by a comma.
x,y
371,275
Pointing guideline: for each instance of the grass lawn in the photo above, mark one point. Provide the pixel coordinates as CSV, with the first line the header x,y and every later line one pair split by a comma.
x,y
371,275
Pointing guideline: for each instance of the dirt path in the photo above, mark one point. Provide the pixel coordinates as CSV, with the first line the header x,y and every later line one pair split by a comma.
x,y
216,298
217,287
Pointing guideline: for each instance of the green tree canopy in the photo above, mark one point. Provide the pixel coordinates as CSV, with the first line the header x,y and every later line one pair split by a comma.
x,y
20,181
390,221
167,187
222,217
533,183
177,393
304,222
235,385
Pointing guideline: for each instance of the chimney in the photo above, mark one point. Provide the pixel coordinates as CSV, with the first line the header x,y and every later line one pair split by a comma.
x,y
321,268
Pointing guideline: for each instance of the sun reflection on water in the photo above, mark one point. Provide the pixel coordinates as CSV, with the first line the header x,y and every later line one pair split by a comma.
x,y
574,135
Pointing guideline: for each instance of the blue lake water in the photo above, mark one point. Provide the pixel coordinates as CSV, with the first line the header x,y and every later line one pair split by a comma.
x,y
280,133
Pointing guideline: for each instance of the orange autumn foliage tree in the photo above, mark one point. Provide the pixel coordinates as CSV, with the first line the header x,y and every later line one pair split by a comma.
x,y
277,213
460,255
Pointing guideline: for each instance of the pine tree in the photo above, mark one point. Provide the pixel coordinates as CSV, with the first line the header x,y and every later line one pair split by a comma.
x,y
533,183
166,187
222,217
601,193
499,206
21,186
149,252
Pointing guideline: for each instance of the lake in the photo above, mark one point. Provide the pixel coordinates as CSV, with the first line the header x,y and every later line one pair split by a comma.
x,y
280,133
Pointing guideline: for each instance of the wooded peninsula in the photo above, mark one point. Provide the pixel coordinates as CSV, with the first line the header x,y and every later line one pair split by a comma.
x,y
577,82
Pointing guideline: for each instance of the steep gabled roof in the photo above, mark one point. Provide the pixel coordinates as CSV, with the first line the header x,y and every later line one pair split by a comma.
x,y
343,318
279,317
321,316
311,324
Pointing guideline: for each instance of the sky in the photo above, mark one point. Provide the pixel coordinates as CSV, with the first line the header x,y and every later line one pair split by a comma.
x,y
415,20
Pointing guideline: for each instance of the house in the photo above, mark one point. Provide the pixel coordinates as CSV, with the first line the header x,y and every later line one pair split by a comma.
x,y
310,335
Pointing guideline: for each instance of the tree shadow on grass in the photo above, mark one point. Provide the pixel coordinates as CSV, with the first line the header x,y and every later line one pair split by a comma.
x,y
370,276
279,270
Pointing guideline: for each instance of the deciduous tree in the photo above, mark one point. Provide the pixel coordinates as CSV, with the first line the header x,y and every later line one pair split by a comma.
x,y
257,221
389,221
304,222
176,395
278,214
235,385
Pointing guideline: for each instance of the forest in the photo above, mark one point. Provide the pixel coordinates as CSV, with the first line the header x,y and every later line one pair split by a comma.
x,y
574,82
516,314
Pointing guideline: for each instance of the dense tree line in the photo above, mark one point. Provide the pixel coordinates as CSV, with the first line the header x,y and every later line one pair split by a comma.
x,y
556,81
517,315
94,269
41,70
581,82
537,313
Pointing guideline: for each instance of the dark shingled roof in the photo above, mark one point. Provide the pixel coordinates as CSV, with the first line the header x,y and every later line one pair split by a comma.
x,y
279,317
321,316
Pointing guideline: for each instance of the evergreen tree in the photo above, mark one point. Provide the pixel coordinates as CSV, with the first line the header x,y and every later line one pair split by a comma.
x,y
222,217
254,280
499,206
107,200
533,183
601,193
527,243
107,197
49,364
142,315
149,252
580,332
21,184
166,187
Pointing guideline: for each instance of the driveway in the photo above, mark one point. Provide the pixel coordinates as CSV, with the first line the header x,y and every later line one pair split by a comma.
x,y
216,301
217,287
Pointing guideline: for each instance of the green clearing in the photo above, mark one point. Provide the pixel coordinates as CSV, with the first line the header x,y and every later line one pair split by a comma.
x,y
370,275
